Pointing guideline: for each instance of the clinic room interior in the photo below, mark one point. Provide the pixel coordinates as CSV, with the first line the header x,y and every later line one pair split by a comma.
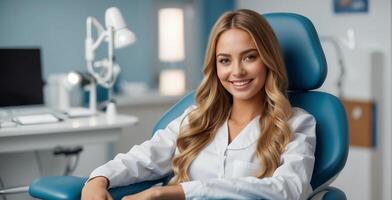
x,y
74,94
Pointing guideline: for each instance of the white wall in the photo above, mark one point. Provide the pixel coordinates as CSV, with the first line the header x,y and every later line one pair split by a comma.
x,y
368,171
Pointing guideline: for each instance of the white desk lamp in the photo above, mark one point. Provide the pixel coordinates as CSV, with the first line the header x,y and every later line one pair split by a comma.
x,y
117,35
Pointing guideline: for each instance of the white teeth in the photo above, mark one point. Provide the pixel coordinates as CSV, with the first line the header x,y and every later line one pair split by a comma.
x,y
241,82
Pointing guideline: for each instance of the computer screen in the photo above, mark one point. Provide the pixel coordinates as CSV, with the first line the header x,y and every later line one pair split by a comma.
x,y
21,80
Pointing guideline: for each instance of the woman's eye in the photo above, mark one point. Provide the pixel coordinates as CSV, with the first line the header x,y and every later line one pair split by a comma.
x,y
250,58
224,61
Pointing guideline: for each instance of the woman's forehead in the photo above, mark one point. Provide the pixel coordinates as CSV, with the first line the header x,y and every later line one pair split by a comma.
x,y
234,41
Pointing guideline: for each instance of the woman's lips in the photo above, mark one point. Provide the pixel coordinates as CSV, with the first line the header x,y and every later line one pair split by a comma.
x,y
241,84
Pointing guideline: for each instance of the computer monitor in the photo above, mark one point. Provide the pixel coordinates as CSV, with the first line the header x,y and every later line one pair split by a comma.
x,y
21,80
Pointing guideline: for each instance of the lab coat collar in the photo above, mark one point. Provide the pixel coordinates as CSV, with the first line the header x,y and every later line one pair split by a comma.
x,y
248,135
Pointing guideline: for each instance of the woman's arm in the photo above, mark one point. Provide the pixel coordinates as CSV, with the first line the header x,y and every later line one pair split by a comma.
x,y
96,188
148,161
161,193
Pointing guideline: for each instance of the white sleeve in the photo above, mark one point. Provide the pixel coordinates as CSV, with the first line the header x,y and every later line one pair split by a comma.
x,y
148,161
291,180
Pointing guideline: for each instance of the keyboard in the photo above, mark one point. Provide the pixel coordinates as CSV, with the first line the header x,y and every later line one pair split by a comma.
x,y
43,118
27,115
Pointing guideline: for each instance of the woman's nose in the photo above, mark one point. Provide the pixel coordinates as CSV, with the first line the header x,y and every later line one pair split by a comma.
x,y
238,69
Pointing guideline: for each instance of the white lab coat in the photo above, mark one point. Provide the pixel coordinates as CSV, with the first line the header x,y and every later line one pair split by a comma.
x,y
222,170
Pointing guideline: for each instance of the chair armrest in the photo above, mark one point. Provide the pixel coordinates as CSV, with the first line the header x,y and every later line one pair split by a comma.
x,y
120,192
329,193
57,187
70,187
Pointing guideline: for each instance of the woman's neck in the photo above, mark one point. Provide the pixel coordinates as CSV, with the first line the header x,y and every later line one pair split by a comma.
x,y
244,111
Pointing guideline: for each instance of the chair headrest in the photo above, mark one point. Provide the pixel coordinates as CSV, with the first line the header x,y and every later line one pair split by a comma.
x,y
303,55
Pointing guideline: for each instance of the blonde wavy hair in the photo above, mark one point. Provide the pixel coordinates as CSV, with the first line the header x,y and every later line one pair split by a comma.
x,y
213,102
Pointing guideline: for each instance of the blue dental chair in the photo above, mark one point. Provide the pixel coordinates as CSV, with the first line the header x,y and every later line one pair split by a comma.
x,y
307,69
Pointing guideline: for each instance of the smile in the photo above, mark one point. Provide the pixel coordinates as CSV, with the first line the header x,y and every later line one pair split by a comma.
x,y
241,82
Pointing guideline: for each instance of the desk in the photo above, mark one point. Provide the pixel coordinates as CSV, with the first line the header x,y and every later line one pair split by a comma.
x,y
72,131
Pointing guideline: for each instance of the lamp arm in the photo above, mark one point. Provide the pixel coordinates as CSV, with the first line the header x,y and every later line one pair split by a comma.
x,y
92,21
107,80
101,37
90,45
110,73
109,77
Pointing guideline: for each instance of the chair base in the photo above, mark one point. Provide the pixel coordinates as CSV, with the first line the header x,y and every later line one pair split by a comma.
x,y
329,193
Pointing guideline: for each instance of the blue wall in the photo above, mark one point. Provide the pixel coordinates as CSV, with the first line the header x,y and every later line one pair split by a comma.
x,y
59,28
210,12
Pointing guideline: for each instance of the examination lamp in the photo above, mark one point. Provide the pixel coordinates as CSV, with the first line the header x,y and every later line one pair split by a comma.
x,y
86,81
117,35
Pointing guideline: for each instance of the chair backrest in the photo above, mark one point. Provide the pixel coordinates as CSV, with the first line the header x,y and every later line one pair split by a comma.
x,y
306,67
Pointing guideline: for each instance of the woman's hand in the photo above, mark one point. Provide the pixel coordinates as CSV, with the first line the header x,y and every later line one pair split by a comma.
x,y
149,194
161,193
96,189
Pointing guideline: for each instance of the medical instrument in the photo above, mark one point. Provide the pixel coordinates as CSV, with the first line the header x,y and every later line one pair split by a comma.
x,y
117,35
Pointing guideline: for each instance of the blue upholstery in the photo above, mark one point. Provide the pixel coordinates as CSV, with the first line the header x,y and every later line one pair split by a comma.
x,y
306,67
302,52
333,194
57,187
331,129
175,111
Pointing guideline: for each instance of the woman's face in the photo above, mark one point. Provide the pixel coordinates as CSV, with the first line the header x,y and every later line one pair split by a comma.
x,y
239,66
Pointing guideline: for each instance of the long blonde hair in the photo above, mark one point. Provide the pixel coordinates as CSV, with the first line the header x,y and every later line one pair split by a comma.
x,y
213,102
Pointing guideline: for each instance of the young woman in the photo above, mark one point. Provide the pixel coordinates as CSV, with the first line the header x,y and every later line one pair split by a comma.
x,y
241,140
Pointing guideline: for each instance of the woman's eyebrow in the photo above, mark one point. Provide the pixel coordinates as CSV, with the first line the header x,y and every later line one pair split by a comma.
x,y
247,51
241,54
223,54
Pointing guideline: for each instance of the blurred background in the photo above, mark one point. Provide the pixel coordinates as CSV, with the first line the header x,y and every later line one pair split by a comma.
x,y
356,36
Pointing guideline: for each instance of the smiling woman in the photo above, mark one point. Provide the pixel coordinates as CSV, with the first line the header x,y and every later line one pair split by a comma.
x,y
241,139
242,54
